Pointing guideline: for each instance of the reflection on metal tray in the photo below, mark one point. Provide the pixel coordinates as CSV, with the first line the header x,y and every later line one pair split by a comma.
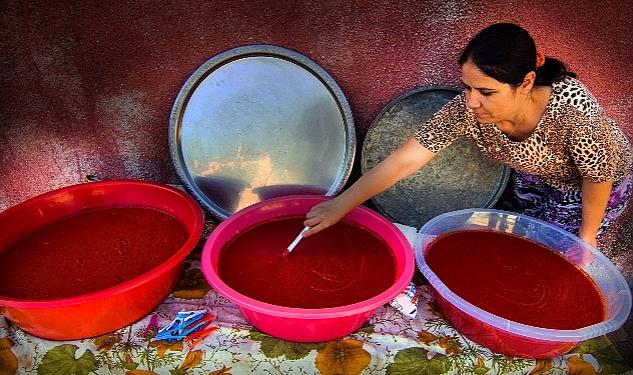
x,y
458,177
260,121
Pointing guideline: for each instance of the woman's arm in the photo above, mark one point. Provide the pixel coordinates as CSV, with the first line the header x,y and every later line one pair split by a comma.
x,y
405,160
595,197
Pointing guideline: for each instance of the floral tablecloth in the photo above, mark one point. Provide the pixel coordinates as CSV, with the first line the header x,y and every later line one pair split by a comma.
x,y
388,344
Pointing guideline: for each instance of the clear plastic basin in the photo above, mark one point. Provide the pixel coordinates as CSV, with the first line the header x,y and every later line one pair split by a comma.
x,y
506,336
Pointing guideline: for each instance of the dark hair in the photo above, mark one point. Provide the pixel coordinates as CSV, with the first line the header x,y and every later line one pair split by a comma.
x,y
506,52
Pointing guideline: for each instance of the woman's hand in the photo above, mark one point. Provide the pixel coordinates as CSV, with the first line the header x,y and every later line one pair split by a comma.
x,y
323,215
577,253
589,237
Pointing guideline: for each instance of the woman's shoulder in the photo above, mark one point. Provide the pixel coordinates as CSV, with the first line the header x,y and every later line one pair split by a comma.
x,y
570,92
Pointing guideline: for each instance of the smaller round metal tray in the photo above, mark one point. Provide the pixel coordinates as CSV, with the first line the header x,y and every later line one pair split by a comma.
x,y
458,177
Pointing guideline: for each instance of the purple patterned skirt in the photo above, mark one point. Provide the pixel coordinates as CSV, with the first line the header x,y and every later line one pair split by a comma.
x,y
529,195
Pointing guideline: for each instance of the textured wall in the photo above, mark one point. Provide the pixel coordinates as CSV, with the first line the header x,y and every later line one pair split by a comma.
x,y
86,87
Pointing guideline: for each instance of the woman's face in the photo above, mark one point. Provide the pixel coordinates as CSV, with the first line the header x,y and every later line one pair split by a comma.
x,y
491,101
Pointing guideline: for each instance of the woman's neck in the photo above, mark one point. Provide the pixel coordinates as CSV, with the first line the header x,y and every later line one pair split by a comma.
x,y
527,121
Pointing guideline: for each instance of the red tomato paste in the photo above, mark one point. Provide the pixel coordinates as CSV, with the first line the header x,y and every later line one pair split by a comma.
x,y
341,265
90,251
516,279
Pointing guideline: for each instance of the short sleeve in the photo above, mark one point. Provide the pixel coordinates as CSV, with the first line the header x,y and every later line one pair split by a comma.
x,y
594,150
446,125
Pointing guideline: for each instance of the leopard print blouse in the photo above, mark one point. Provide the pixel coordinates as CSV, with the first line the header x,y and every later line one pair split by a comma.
x,y
574,138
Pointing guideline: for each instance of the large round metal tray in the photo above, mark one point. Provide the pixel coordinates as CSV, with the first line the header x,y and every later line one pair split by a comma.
x,y
257,122
458,177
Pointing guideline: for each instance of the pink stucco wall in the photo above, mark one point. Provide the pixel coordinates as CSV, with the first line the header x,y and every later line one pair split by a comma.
x,y
86,87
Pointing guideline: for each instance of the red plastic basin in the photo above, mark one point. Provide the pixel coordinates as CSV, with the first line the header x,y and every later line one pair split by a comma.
x,y
109,309
297,324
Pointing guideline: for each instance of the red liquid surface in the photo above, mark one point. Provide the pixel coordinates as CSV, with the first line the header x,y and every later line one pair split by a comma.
x,y
341,265
516,279
93,250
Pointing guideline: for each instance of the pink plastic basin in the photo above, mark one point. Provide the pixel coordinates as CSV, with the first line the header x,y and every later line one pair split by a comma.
x,y
306,325
106,310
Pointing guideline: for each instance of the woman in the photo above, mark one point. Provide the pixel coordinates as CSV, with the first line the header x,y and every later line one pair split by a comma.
x,y
571,163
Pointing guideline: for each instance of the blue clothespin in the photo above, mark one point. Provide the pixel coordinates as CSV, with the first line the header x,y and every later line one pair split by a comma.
x,y
183,324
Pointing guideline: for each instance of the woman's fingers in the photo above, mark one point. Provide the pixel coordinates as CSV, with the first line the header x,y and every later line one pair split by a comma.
x,y
314,229
320,217
316,224
312,222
